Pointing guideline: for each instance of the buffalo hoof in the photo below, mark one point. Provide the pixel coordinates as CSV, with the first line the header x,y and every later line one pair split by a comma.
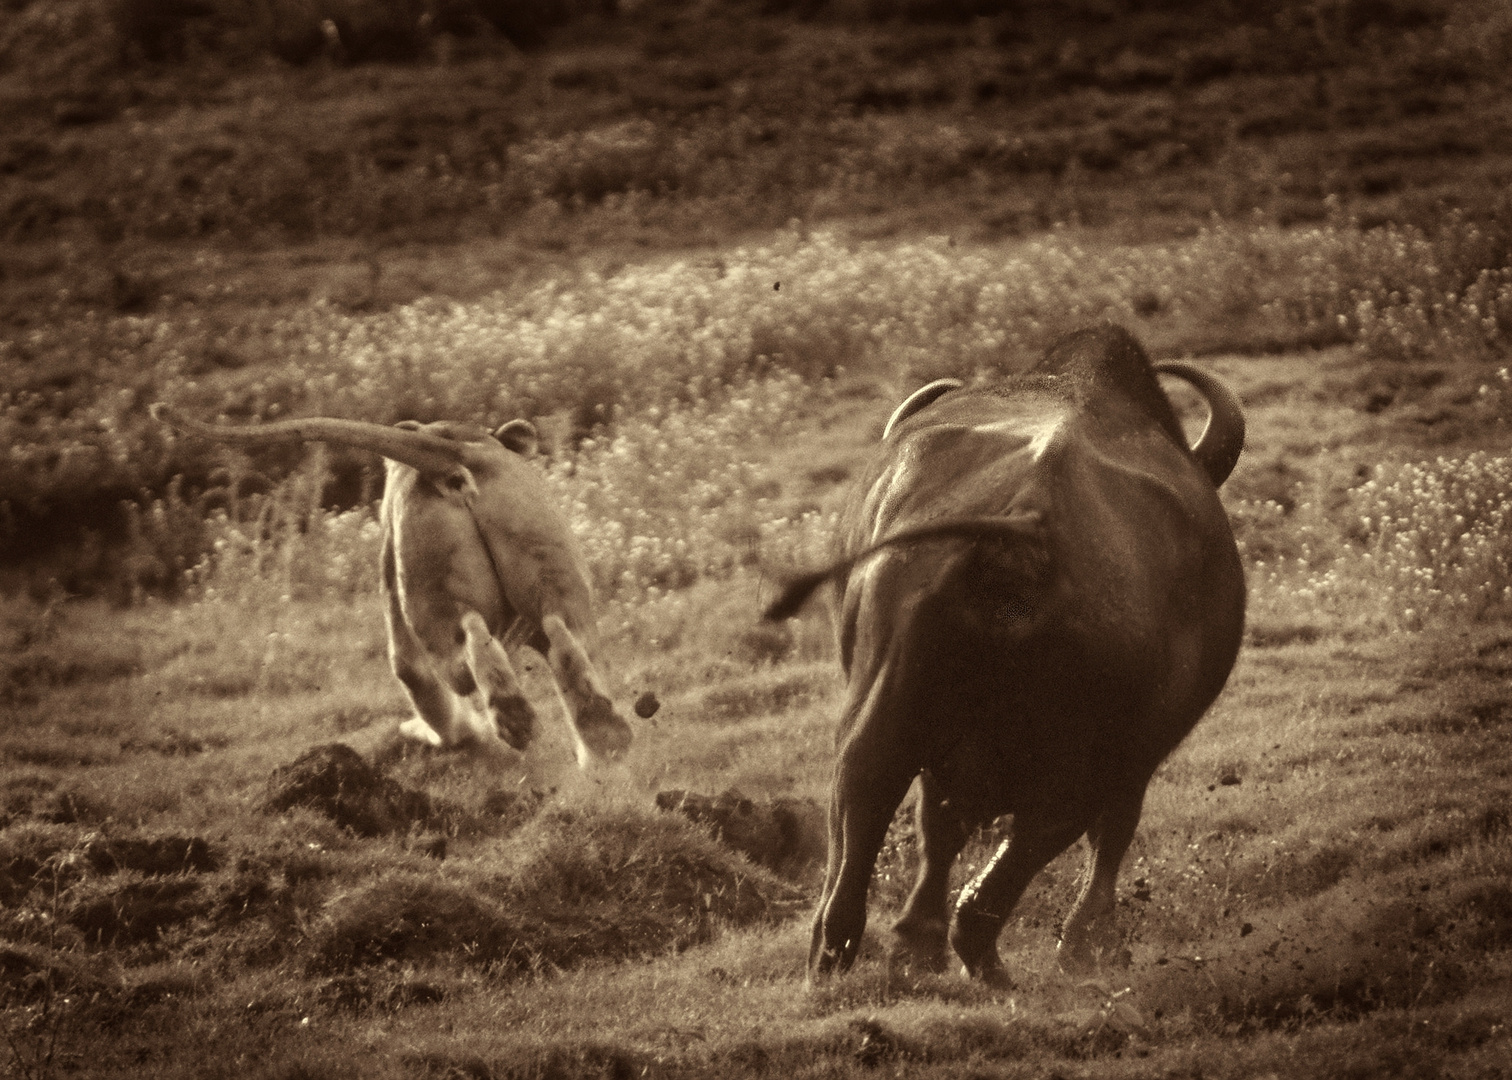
x,y
973,937
1085,959
825,966
985,966
994,975
826,960
917,948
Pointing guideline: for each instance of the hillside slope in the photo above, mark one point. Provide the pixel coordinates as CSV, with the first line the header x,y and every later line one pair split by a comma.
x,y
674,124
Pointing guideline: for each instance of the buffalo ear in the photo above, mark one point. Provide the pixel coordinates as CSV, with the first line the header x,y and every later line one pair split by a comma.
x,y
519,436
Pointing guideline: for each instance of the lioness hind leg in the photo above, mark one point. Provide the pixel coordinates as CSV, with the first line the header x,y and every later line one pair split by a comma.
x,y
597,727
418,730
435,721
513,715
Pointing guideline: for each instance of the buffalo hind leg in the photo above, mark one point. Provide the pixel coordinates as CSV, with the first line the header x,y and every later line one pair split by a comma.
x,y
985,903
869,784
920,933
598,729
1090,935
507,710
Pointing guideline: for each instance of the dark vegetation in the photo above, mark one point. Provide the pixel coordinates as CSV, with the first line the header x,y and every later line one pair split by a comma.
x,y
207,163
425,121
553,888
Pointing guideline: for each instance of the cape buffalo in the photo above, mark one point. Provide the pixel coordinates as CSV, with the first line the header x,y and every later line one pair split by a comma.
x,y
1039,597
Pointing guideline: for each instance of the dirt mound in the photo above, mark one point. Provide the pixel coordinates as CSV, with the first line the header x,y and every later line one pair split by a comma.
x,y
30,855
575,884
785,835
151,855
31,972
134,912
335,780
37,854
408,918
380,988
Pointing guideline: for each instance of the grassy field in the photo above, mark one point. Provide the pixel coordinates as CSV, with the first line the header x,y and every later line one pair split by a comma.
x,y
708,249
1320,886
201,199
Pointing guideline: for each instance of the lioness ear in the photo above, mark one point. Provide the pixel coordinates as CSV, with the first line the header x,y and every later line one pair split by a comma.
x,y
409,425
519,436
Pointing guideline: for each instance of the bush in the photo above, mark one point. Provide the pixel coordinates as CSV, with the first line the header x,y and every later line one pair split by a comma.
x,y
1416,542
659,386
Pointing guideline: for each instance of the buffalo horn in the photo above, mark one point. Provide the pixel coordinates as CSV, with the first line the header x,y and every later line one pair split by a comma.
x,y
1218,447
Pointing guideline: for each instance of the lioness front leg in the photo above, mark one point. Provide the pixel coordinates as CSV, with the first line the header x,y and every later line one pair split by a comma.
x,y
597,727
512,715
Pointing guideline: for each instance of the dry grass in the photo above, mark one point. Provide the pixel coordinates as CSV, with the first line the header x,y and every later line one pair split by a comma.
x,y
1319,886
184,217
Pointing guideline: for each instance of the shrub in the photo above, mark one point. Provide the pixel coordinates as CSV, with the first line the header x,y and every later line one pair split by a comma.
x,y
677,494
1416,542
659,385
1435,535
1440,296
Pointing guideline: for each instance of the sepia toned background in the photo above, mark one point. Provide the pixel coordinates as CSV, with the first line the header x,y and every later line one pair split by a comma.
x,y
707,247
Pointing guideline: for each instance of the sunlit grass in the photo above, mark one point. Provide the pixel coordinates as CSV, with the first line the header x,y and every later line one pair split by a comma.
x,y
1350,764
1416,544
661,385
